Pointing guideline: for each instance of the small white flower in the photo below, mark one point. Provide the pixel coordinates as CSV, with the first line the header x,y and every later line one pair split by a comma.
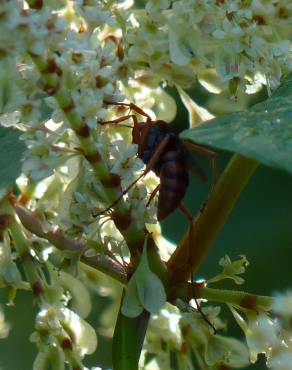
x,y
142,212
231,269
262,336
166,326
125,161
36,169
282,304
281,361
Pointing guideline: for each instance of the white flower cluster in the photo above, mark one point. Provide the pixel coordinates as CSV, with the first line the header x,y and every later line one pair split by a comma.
x,y
73,41
247,42
87,67
59,328
182,333
177,333
269,334
100,51
78,39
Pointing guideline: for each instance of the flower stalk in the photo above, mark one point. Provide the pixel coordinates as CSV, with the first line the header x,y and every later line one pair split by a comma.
x,y
188,291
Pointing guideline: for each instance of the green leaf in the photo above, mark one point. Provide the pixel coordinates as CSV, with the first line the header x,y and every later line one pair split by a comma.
x,y
128,340
263,132
132,306
145,290
11,152
145,294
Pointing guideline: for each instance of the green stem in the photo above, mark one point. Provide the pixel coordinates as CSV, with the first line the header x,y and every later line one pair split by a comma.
x,y
187,291
237,298
207,225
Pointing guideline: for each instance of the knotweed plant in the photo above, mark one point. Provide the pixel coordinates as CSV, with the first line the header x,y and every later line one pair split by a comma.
x,y
67,226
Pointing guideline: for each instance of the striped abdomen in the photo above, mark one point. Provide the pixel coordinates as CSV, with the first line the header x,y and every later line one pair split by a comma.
x,y
174,180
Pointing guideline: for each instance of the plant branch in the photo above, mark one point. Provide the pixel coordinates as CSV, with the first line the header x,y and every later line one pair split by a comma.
x,y
208,223
56,237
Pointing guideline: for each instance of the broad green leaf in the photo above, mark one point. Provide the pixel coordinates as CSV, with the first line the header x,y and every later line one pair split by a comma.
x,y
128,340
145,290
262,132
11,152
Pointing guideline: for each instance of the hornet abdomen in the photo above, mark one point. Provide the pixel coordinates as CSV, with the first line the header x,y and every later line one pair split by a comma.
x,y
170,167
174,180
